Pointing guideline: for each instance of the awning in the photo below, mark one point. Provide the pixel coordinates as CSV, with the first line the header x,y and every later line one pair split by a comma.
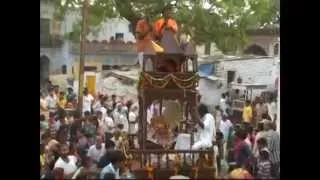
x,y
205,70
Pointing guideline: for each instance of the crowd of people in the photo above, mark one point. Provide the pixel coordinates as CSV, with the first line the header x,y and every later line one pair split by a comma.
x,y
72,142
248,140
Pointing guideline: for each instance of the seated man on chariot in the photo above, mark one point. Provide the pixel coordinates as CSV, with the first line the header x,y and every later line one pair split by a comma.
x,y
206,128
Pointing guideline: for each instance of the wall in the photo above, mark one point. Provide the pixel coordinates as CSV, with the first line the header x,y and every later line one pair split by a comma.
x,y
267,42
46,10
62,56
109,28
57,57
257,70
209,92
110,58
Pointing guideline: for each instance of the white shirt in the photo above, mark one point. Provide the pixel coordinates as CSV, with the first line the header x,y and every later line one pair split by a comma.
x,y
68,168
96,106
207,134
103,110
225,128
116,116
223,105
123,120
51,102
110,169
94,153
87,101
108,124
272,109
133,127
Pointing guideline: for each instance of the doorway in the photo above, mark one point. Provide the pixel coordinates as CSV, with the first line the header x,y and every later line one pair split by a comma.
x,y
44,69
231,75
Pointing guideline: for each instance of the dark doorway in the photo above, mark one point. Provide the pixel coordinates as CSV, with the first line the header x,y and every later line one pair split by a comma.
x,y
255,50
231,75
44,69
64,69
276,49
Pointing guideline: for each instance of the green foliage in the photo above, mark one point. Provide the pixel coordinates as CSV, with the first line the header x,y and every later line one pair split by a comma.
x,y
224,22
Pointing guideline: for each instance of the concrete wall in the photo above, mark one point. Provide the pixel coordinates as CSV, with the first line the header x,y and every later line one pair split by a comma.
x,y
266,42
57,57
209,91
62,56
257,70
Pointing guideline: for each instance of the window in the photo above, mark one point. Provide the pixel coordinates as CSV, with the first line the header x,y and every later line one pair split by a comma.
x,y
207,49
130,28
64,69
231,76
90,68
119,36
106,67
44,27
56,27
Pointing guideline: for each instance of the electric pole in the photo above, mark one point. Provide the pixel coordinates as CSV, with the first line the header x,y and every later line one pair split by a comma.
x,y
84,28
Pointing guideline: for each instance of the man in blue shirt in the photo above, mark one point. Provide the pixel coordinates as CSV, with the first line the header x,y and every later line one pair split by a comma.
x,y
116,159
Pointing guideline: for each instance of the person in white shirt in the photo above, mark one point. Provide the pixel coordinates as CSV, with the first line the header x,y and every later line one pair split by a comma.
x,y
66,162
272,109
223,103
123,119
96,105
218,113
116,162
97,150
206,128
116,114
87,101
51,100
133,125
103,110
225,127
109,123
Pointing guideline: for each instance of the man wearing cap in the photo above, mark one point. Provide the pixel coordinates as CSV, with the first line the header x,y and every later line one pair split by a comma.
x,y
165,22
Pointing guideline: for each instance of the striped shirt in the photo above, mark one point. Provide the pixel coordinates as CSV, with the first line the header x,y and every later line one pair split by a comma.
x,y
273,139
264,170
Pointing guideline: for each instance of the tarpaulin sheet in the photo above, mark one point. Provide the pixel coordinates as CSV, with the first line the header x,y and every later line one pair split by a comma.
x,y
205,70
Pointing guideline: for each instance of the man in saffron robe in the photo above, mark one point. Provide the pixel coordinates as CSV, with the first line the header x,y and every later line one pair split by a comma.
x,y
143,34
165,22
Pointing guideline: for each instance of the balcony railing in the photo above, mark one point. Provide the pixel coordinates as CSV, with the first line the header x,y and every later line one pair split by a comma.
x,y
51,41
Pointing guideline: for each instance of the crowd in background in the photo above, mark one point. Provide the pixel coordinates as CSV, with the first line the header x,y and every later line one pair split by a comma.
x,y
72,141
247,139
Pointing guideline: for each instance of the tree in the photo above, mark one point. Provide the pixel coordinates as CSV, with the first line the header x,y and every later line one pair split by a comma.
x,y
224,22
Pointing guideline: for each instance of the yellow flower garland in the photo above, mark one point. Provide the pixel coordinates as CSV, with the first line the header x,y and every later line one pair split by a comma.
x,y
166,79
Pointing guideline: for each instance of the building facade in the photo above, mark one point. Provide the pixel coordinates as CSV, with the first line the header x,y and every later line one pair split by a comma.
x,y
56,53
252,70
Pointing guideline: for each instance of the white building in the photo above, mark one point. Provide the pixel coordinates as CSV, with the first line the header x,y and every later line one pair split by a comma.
x,y
55,52
252,70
